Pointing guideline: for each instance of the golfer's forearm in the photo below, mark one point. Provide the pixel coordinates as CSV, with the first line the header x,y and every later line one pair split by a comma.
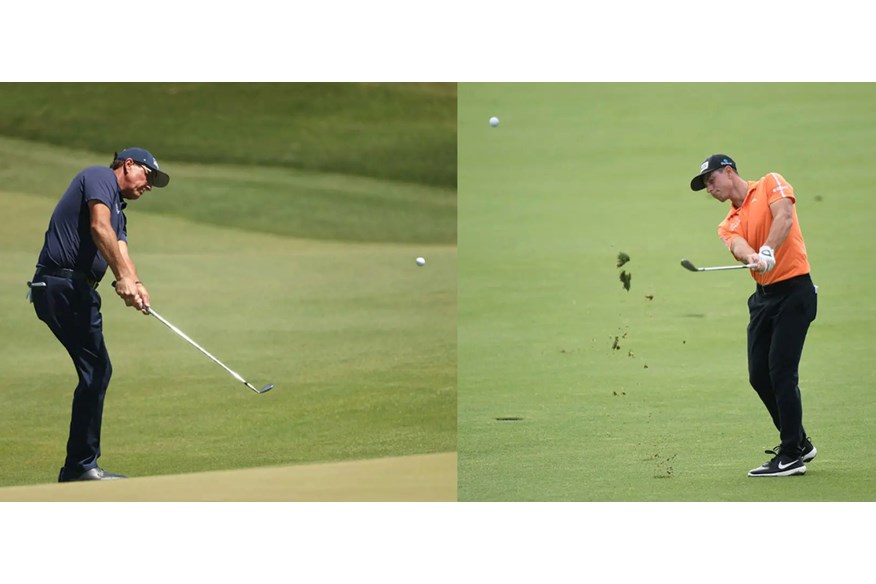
x,y
741,249
123,248
108,245
779,230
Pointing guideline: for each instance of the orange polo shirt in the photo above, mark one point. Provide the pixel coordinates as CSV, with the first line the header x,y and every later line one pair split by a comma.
x,y
752,222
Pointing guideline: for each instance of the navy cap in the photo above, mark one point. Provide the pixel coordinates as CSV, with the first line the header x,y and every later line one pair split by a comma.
x,y
712,163
145,158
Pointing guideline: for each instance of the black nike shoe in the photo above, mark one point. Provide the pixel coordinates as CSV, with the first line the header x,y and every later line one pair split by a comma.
x,y
779,466
808,451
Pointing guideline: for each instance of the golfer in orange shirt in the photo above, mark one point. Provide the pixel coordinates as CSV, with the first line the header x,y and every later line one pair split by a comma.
x,y
761,228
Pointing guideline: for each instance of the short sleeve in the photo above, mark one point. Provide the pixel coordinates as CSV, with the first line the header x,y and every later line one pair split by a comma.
x,y
778,188
99,185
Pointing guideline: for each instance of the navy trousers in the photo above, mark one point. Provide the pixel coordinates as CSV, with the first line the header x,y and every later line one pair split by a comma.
x,y
71,309
780,317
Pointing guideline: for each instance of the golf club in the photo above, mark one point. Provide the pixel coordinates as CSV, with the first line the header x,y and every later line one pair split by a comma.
x,y
689,266
265,389
201,349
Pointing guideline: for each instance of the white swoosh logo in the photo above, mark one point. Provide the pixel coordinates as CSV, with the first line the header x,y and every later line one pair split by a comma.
x,y
784,466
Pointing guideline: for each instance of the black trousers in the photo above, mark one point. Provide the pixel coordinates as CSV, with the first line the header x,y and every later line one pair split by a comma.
x,y
780,315
71,309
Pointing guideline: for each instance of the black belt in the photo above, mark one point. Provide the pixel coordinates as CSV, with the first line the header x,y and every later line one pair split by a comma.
x,y
67,273
784,285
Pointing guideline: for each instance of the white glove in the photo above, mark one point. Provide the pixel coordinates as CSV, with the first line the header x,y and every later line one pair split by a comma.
x,y
767,256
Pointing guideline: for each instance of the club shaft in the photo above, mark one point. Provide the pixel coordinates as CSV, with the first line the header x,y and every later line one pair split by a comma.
x,y
198,347
739,267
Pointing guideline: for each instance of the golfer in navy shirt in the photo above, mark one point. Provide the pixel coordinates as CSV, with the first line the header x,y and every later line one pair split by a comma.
x,y
87,234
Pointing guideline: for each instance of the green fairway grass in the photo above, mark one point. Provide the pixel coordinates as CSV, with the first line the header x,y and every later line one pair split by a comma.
x,y
290,276
642,394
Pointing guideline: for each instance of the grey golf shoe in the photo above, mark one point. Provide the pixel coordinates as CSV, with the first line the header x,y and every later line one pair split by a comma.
x,y
92,474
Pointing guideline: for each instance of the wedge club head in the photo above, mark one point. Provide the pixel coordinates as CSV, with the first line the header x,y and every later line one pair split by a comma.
x,y
265,389
688,265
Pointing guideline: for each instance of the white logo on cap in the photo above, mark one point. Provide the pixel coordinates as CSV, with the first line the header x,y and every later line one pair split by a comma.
x,y
704,166
155,163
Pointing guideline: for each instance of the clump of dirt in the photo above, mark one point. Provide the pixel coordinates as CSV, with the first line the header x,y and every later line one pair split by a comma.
x,y
622,259
616,345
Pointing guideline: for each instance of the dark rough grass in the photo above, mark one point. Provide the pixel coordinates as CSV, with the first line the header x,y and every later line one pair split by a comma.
x,y
395,131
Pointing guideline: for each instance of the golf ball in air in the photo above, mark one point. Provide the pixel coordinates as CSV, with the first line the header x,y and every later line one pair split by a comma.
x,y
494,121
421,261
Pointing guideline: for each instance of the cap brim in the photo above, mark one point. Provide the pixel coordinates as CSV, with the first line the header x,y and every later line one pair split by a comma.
x,y
698,182
161,179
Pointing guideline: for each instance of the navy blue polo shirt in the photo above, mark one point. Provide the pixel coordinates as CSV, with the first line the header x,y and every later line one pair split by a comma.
x,y
68,241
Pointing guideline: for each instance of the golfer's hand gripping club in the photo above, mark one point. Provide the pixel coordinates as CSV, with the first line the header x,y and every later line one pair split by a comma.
x,y
133,293
767,255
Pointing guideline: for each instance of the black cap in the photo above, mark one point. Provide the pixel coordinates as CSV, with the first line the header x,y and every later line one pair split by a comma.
x,y
145,158
713,162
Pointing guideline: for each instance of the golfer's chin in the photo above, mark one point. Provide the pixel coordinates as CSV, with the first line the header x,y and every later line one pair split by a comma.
x,y
132,195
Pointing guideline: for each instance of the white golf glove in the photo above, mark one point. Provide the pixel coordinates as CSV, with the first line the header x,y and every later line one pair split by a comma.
x,y
768,257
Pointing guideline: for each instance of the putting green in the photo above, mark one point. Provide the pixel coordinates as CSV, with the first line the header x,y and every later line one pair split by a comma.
x,y
429,477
